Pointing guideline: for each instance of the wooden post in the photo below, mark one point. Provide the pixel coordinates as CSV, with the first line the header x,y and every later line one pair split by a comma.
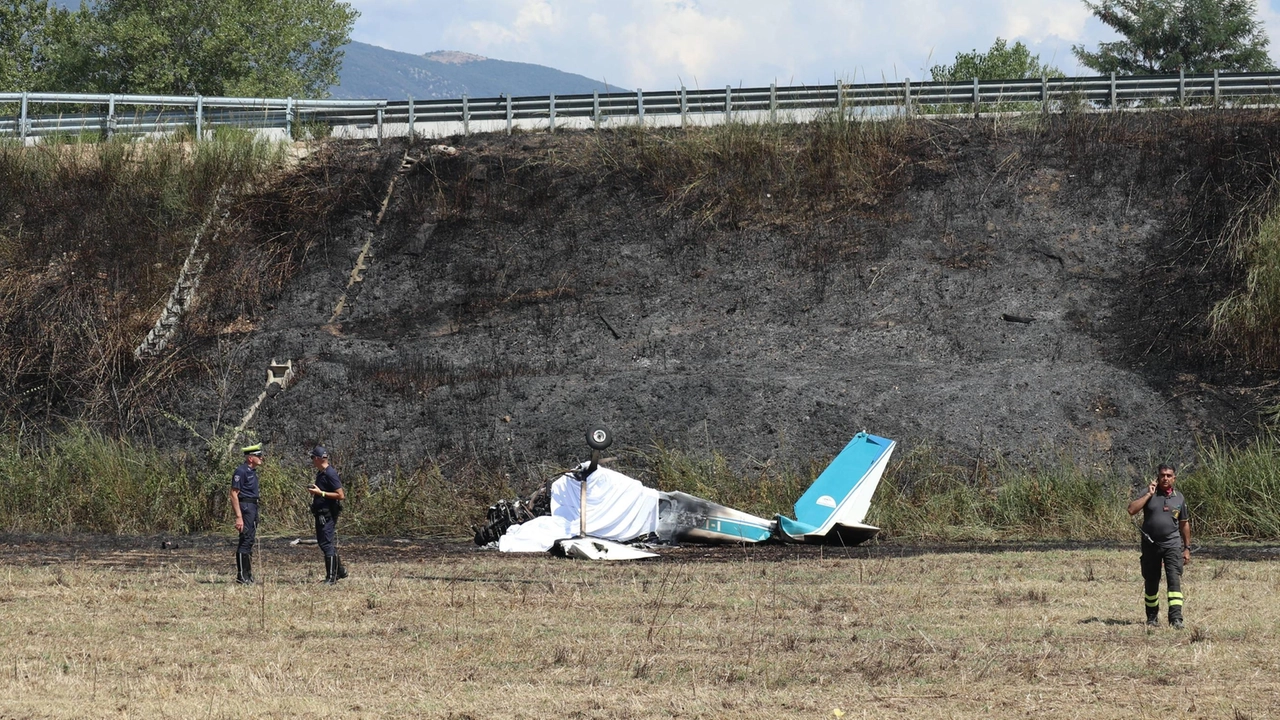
x,y
412,119
111,114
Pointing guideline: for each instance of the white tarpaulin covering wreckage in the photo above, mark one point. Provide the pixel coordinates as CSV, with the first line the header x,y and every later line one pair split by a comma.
x,y
620,509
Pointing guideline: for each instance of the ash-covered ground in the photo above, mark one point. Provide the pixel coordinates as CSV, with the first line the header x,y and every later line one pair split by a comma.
x,y
1020,295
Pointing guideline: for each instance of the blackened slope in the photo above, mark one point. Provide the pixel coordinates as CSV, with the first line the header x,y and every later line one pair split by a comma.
x,y
520,293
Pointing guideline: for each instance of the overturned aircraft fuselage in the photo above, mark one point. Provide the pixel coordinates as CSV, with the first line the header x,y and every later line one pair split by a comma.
x,y
606,505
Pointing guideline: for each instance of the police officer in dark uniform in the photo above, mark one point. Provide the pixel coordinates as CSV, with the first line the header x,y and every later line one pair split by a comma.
x,y
326,505
244,499
1166,543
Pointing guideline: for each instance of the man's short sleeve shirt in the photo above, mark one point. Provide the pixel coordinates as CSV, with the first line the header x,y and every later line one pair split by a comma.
x,y
328,481
1161,516
245,480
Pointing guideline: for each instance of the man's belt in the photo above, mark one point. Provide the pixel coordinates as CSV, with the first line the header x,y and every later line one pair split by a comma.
x,y
248,501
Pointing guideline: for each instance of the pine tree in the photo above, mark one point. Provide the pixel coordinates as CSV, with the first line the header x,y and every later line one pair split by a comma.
x,y
1164,36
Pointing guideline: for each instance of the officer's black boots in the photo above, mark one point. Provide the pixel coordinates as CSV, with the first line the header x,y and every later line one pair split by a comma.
x,y
330,569
244,568
342,569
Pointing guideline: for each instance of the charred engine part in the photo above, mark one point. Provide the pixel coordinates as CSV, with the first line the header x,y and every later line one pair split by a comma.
x,y
503,514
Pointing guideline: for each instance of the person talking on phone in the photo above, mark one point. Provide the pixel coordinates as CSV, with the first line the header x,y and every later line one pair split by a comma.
x,y
1166,543
326,506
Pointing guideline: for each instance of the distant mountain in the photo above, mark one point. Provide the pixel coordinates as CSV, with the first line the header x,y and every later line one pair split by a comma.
x,y
369,71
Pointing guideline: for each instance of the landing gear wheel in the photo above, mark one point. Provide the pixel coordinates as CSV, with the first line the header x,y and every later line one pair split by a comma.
x,y
599,437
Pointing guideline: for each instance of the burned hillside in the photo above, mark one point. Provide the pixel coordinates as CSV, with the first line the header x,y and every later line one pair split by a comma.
x,y
1008,288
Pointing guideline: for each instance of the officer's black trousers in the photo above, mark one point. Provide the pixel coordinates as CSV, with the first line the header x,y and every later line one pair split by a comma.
x,y
1154,559
326,533
249,511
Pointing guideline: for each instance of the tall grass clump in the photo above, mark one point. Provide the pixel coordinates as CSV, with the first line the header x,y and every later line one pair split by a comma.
x,y
765,493
85,481
82,480
924,497
1249,318
1235,492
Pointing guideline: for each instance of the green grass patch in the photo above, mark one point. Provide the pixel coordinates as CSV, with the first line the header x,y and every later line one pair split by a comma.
x,y
923,497
82,480
1235,492
1249,318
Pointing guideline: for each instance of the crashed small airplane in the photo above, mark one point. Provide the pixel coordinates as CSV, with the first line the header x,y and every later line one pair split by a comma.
x,y
591,512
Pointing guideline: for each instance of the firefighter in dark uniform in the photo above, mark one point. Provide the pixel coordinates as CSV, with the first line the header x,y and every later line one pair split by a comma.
x,y
244,500
326,505
1166,543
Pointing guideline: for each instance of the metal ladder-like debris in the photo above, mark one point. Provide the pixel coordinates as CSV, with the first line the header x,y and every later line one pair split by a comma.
x,y
279,374
182,295
357,273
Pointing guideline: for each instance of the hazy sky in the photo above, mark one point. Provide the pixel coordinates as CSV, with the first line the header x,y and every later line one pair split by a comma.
x,y
657,44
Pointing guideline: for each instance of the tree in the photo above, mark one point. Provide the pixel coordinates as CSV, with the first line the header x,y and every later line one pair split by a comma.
x,y
206,47
1164,36
1001,62
27,36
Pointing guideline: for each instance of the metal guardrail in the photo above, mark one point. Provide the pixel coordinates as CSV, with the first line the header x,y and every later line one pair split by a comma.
x,y
42,114
166,113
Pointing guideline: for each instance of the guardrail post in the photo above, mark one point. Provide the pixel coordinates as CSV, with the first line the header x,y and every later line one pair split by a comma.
x,y
1216,88
1113,89
111,115
595,109
1182,88
466,115
906,96
684,107
412,119
509,114
976,111
551,114
840,98
728,104
773,102
640,105
1044,93
199,118
379,124
22,121
288,121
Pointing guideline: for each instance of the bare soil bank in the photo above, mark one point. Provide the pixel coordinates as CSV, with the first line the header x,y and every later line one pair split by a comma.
x,y
992,289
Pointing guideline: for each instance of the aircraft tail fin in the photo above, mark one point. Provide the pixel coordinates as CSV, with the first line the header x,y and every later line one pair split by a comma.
x,y
838,500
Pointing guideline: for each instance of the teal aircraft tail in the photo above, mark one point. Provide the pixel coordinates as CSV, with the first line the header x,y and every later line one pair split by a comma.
x,y
834,506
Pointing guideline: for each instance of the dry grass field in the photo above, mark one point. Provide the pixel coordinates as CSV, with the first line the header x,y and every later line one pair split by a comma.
x,y
103,631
